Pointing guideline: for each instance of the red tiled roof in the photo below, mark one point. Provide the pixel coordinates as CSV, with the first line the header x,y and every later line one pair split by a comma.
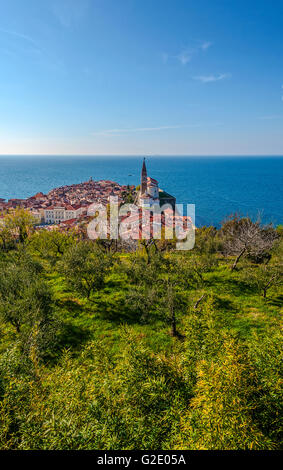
x,y
68,222
152,180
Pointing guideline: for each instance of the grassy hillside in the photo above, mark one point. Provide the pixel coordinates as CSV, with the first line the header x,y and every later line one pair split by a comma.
x,y
168,350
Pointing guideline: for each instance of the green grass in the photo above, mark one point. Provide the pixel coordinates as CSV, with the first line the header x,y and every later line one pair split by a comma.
x,y
128,384
238,309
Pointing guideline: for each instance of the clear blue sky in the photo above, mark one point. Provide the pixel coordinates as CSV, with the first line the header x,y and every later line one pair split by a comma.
x,y
141,77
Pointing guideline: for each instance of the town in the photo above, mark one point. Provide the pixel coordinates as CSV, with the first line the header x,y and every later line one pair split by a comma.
x,y
68,207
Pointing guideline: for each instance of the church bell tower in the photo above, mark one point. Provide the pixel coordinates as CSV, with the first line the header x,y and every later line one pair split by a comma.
x,y
143,178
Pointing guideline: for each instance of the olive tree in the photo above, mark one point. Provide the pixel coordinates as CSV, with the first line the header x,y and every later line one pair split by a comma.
x,y
159,284
243,237
85,267
264,277
20,223
26,303
50,245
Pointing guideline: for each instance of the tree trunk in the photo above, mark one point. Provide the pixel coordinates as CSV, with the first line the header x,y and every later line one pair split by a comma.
x,y
238,259
173,322
268,285
264,292
199,301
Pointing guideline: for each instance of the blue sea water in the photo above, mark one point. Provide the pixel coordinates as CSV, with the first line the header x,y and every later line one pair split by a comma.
x,y
218,186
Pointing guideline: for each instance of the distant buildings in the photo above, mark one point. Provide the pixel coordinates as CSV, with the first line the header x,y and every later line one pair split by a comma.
x,y
67,203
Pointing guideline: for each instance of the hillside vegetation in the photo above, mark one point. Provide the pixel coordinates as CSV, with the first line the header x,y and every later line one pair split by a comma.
x,y
152,349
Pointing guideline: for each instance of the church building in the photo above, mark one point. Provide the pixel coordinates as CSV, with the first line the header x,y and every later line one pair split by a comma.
x,y
150,194
149,191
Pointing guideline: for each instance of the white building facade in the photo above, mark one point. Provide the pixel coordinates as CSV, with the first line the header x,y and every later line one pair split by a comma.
x,y
56,215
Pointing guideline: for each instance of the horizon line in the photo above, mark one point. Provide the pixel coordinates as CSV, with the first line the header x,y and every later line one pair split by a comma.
x,y
137,155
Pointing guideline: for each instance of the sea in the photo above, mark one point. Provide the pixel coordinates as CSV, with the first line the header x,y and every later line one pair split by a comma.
x,y
218,186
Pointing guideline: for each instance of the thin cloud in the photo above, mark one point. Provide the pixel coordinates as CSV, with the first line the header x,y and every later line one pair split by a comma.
x,y
69,12
187,53
205,45
114,132
19,36
185,56
212,78
20,44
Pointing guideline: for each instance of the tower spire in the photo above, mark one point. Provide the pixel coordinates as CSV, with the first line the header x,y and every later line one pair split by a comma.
x,y
143,178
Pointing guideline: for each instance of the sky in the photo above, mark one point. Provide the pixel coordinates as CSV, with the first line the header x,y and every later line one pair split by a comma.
x,y
141,77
